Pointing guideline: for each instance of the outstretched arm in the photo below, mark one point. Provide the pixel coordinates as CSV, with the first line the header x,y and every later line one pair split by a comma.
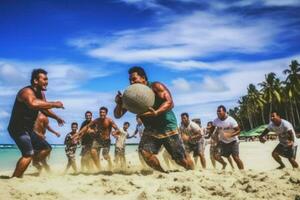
x,y
28,97
50,113
53,131
264,133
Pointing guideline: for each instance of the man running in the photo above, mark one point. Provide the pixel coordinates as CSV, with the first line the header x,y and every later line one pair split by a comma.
x,y
121,137
214,140
40,127
140,130
191,133
228,131
103,128
70,148
287,146
160,123
86,144
29,101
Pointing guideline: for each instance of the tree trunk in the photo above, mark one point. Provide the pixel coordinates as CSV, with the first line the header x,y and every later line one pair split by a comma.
x,y
250,120
292,112
262,116
286,112
297,113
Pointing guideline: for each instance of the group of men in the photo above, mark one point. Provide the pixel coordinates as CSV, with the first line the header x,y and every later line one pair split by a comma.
x,y
95,136
160,129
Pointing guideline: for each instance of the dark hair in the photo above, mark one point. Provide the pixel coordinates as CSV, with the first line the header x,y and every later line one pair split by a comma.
x,y
184,114
277,113
139,70
104,108
88,112
35,74
222,107
74,123
210,122
127,123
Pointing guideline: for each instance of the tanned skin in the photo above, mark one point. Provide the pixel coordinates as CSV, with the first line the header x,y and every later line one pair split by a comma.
x,y
162,92
27,96
40,127
276,119
106,125
196,136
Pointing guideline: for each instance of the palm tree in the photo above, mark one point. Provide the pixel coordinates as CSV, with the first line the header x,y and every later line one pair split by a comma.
x,y
245,105
293,86
256,101
270,90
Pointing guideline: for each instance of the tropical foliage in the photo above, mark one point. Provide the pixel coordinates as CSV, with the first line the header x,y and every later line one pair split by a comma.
x,y
271,94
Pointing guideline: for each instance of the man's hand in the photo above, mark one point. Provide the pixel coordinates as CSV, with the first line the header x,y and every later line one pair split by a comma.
x,y
227,135
60,121
185,137
290,143
58,104
262,139
150,113
58,134
118,98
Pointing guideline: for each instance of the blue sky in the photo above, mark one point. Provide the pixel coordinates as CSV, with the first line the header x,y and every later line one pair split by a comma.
x,y
205,52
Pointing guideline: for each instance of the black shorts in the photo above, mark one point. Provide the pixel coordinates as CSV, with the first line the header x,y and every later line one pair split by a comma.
x,y
29,142
285,151
173,145
227,149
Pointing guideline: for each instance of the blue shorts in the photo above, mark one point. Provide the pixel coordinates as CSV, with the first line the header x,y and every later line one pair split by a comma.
x,y
29,142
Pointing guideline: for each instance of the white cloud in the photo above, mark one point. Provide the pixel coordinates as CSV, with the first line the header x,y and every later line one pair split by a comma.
x,y
4,114
186,37
226,88
181,84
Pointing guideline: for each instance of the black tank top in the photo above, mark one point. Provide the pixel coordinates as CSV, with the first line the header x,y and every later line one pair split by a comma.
x,y
22,117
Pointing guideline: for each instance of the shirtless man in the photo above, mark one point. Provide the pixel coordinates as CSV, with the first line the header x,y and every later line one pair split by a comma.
x,y
29,101
40,127
86,144
287,146
102,127
160,123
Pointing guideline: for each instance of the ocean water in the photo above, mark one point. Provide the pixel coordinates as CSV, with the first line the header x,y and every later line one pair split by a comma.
x,y
9,155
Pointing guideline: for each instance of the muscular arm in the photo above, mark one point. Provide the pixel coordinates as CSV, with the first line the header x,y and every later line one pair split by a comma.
x,y
236,132
291,135
28,97
162,91
264,133
83,131
119,111
115,127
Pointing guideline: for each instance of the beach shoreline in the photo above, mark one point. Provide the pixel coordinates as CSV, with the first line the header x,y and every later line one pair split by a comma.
x,y
260,180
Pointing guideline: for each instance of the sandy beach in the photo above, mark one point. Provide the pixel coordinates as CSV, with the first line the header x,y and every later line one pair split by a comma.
x,y
260,180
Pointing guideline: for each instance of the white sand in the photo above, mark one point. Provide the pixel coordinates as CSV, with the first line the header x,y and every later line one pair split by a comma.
x,y
258,181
